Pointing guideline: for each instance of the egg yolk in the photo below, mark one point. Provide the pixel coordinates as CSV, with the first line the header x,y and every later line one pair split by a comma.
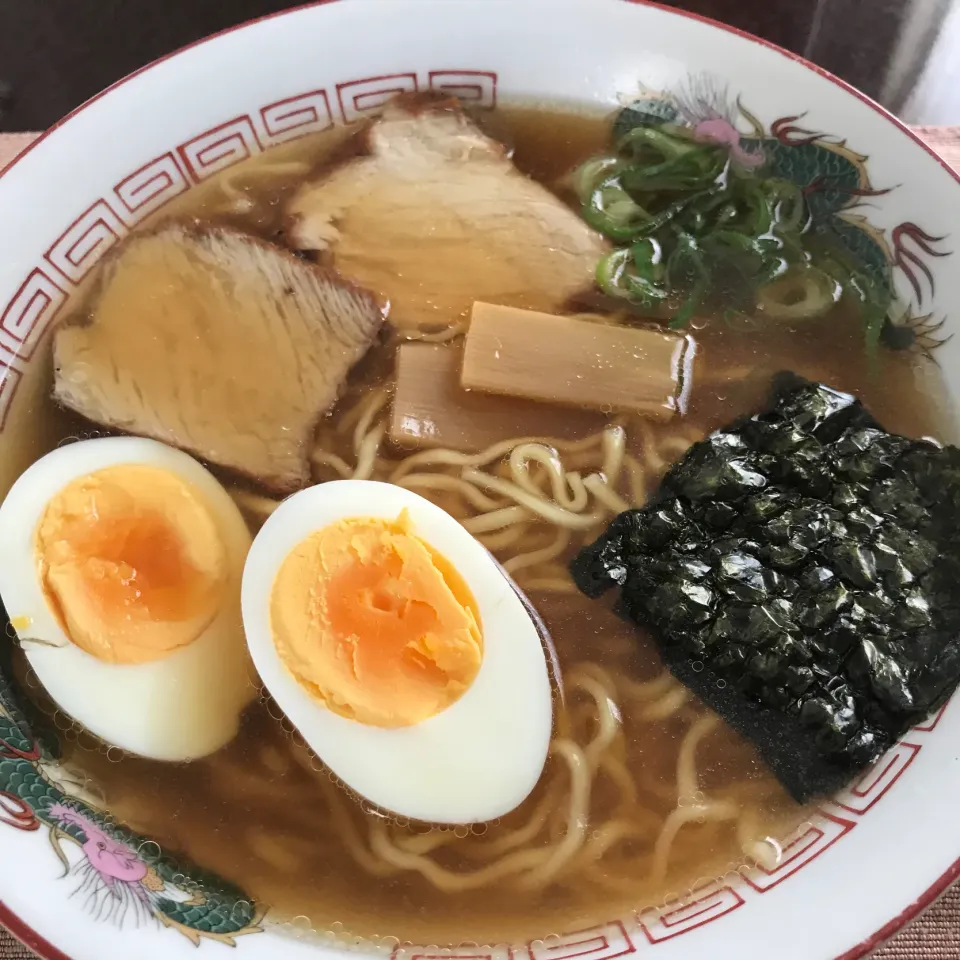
x,y
131,562
374,623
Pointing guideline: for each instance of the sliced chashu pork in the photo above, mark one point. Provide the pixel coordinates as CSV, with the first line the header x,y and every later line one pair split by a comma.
x,y
218,343
436,216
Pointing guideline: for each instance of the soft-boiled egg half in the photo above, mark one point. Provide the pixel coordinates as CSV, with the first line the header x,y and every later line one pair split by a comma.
x,y
398,648
121,572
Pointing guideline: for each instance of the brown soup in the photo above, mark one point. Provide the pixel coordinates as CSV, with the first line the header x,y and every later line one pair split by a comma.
x,y
672,797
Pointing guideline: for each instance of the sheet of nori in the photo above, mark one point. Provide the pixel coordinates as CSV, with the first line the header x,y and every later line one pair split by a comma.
x,y
800,572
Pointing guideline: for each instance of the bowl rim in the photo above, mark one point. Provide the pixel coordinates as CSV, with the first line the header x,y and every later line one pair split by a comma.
x,y
654,4
35,941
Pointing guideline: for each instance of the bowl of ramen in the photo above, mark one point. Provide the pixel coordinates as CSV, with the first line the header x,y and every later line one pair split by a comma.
x,y
360,589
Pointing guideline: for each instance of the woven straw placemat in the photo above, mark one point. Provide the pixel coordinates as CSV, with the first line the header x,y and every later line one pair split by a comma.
x,y
935,935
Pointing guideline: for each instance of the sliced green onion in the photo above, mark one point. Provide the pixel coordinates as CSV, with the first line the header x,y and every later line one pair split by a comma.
x,y
643,291
610,271
589,174
800,294
612,211
685,314
790,208
646,281
666,144
695,231
691,171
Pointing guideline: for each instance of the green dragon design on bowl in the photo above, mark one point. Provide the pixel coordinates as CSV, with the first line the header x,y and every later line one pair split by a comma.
x,y
121,875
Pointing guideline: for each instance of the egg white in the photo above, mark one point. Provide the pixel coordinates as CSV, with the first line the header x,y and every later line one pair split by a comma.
x,y
475,761
180,707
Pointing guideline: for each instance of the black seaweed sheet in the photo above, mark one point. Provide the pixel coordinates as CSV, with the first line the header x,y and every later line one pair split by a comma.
x,y
800,572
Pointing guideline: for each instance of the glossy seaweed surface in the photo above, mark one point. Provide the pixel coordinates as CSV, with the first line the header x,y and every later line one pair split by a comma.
x,y
800,571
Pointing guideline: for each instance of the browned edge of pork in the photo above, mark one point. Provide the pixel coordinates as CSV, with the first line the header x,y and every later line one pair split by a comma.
x,y
216,342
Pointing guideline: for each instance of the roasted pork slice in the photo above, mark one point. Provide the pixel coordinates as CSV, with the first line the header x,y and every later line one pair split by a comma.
x,y
436,216
216,342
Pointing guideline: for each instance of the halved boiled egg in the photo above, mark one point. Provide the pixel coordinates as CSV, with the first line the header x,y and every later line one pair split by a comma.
x,y
121,571
398,648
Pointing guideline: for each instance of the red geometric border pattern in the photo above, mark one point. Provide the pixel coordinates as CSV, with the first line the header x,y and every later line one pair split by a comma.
x,y
29,314
598,943
872,786
802,847
149,188
34,307
475,87
296,117
456,953
933,721
361,98
9,381
223,146
86,240
707,904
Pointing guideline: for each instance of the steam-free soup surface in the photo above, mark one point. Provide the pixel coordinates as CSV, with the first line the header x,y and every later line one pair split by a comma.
x,y
646,793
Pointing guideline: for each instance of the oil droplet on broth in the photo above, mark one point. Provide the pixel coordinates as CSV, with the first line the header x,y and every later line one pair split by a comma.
x,y
150,848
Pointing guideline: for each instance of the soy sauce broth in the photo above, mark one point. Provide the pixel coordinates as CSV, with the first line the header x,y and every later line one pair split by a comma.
x,y
265,815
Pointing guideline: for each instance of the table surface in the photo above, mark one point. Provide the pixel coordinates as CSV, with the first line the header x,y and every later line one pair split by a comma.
x,y
936,935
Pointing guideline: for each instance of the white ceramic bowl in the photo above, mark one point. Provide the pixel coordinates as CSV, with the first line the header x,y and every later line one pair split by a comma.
x,y
877,854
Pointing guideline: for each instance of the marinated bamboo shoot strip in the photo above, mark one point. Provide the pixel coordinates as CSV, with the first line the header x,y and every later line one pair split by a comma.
x,y
431,409
576,363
